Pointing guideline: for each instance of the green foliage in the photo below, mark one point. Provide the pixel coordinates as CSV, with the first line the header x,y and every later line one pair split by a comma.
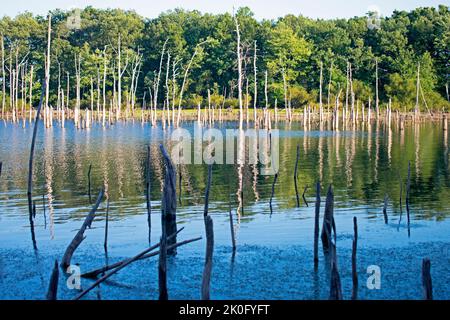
x,y
293,45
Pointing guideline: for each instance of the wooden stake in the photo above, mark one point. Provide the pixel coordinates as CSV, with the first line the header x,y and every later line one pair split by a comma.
x,y
105,244
385,209
354,268
426,280
30,168
316,225
408,186
89,182
169,200
273,191
147,195
328,221
53,286
208,260
208,187
295,176
162,269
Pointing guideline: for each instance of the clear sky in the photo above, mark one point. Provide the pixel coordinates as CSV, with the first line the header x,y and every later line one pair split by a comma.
x,y
262,8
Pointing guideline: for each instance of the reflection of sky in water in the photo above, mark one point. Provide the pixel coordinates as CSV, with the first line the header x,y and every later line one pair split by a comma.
x,y
362,165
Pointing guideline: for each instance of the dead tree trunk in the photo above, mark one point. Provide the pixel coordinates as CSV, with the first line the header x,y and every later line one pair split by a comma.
x,y
79,237
255,97
147,195
316,226
328,222
53,285
169,200
239,63
208,259
354,267
30,169
162,269
295,176
47,65
426,280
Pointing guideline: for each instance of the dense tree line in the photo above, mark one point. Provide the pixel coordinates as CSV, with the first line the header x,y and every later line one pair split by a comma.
x,y
113,56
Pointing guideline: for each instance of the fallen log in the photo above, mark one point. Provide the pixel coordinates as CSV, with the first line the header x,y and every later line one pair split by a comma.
x,y
125,263
96,272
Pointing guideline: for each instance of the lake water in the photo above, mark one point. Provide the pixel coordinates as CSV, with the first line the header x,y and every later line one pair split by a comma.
x,y
274,256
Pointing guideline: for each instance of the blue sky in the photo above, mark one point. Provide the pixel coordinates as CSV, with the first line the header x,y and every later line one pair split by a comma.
x,y
261,8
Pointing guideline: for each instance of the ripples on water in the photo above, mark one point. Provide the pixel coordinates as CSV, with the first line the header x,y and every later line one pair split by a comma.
x,y
362,165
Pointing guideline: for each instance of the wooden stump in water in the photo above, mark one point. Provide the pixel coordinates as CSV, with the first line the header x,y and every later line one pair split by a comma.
x,y
328,221
335,279
316,225
169,201
354,268
162,269
273,191
385,209
295,176
89,182
426,280
408,186
53,286
147,194
105,243
208,259
1,166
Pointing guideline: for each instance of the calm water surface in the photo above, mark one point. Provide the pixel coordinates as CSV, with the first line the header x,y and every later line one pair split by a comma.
x,y
274,255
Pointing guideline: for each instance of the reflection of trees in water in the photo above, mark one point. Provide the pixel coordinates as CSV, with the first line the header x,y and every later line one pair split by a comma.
x,y
362,167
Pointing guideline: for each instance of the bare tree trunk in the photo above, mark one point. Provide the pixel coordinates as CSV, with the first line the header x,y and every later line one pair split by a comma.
x,y
256,85
155,96
3,77
239,63
47,65
320,92
377,101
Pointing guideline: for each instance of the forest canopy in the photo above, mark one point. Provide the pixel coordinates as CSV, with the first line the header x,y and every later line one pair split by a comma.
x,y
290,52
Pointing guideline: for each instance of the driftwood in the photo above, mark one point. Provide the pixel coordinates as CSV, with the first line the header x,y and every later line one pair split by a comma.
x,y
53,286
125,263
354,268
147,195
30,168
385,209
273,191
79,237
316,225
169,201
426,280
208,259
328,222
162,269
105,243
295,176
96,272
